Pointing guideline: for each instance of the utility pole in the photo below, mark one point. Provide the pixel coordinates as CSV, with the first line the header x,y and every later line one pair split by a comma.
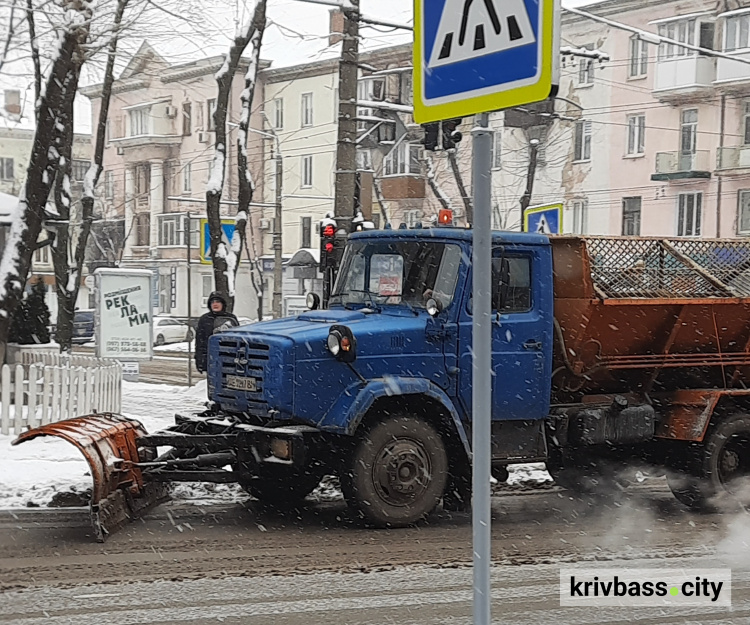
x,y
191,332
531,172
346,147
278,275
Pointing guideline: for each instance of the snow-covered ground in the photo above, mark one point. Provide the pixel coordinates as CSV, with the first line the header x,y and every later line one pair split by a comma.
x,y
31,474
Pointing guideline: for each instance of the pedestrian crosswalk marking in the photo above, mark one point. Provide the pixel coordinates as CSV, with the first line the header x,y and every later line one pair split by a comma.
x,y
484,27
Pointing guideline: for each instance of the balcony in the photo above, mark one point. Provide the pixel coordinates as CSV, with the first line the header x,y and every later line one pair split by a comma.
x,y
682,166
733,75
733,161
684,78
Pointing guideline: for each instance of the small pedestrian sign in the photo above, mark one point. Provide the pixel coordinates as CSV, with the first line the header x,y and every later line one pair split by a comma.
x,y
227,232
474,56
546,219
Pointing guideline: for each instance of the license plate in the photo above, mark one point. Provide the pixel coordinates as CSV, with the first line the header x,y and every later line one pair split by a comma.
x,y
237,383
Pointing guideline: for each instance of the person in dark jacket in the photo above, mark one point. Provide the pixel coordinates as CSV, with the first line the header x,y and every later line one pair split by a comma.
x,y
215,320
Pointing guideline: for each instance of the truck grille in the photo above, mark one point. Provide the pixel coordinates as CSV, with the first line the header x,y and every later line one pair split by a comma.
x,y
242,358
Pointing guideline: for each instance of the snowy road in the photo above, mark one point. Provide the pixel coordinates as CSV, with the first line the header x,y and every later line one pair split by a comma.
x,y
526,594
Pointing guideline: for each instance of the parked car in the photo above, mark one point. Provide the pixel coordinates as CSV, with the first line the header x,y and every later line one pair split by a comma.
x,y
83,326
170,330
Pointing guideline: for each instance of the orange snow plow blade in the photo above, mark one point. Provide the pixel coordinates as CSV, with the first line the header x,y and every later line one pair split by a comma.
x,y
109,444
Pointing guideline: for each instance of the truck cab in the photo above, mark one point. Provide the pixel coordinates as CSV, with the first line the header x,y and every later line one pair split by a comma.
x,y
390,361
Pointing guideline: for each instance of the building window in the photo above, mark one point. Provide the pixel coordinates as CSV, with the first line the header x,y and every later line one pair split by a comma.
x,y
688,139
307,171
636,134
743,221
41,255
364,159
406,89
165,293
278,113
631,216
638,57
679,30
585,71
582,140
412,217
307,109
187,174
497,148
746,123
306,232
187,119
369,90
142,175
737,33
142,229
6,168
689,214
211,109
13,101
140,121
79,169
580,216
109,185
207,284
170,233
404,159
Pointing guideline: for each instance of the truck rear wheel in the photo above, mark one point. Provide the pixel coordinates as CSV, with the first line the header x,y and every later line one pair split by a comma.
x,y
398,472
723,469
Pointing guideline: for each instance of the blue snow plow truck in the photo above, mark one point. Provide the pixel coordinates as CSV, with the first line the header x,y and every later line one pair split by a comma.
x,y
608,354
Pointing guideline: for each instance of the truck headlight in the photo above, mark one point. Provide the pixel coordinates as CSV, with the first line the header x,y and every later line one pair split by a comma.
x,y
342,344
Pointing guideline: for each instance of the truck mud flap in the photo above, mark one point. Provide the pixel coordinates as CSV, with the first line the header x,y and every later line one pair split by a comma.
x,y
109,444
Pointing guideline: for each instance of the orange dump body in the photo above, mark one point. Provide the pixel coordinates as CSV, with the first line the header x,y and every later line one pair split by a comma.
x,y
651,316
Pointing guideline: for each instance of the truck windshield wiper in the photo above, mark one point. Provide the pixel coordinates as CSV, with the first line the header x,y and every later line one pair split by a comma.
x,y
369,296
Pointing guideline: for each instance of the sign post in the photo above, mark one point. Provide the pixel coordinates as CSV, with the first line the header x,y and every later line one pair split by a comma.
x,y
471,57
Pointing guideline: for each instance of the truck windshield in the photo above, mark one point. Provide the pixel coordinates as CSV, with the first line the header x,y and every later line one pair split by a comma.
x,y
405,272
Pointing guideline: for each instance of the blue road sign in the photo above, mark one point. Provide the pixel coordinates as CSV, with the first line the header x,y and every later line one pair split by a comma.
x,y
227,227
544,219
473,56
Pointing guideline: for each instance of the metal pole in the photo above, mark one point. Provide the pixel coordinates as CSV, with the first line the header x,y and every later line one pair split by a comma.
x,y
481,396
278,275
190,303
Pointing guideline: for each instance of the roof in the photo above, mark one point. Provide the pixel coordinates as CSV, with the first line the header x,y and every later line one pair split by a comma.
x,y
452,234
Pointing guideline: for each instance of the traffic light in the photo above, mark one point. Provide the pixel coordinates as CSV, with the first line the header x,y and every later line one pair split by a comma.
x,y
450,135
327,243
431,136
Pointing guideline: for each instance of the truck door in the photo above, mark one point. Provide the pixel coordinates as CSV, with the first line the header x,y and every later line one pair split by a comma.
x,y
521,335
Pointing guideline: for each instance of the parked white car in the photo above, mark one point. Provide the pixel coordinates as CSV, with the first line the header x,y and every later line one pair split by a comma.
x,y
168,330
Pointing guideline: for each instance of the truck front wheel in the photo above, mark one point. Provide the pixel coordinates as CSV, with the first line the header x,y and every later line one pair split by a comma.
x,y
398,472
723,469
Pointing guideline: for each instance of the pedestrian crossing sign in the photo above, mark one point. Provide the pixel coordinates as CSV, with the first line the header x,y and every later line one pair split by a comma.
x,y
545,219
474,56
227,232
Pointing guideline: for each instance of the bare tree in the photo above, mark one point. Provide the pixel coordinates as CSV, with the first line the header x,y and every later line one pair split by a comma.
x,y
226,260
52,119
68,274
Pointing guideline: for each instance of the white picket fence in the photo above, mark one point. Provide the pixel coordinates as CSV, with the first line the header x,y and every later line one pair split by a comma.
x,y
49,387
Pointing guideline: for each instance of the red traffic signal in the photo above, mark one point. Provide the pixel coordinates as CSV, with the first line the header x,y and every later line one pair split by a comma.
x,y
328,243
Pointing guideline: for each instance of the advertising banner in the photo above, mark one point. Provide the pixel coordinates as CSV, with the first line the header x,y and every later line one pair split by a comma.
x,y
123,314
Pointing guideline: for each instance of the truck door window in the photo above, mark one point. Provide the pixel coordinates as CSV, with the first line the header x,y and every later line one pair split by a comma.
x,y
511,284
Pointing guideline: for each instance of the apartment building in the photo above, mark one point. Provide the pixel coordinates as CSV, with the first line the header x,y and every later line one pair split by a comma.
x,y
16,142
656,140
157,160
